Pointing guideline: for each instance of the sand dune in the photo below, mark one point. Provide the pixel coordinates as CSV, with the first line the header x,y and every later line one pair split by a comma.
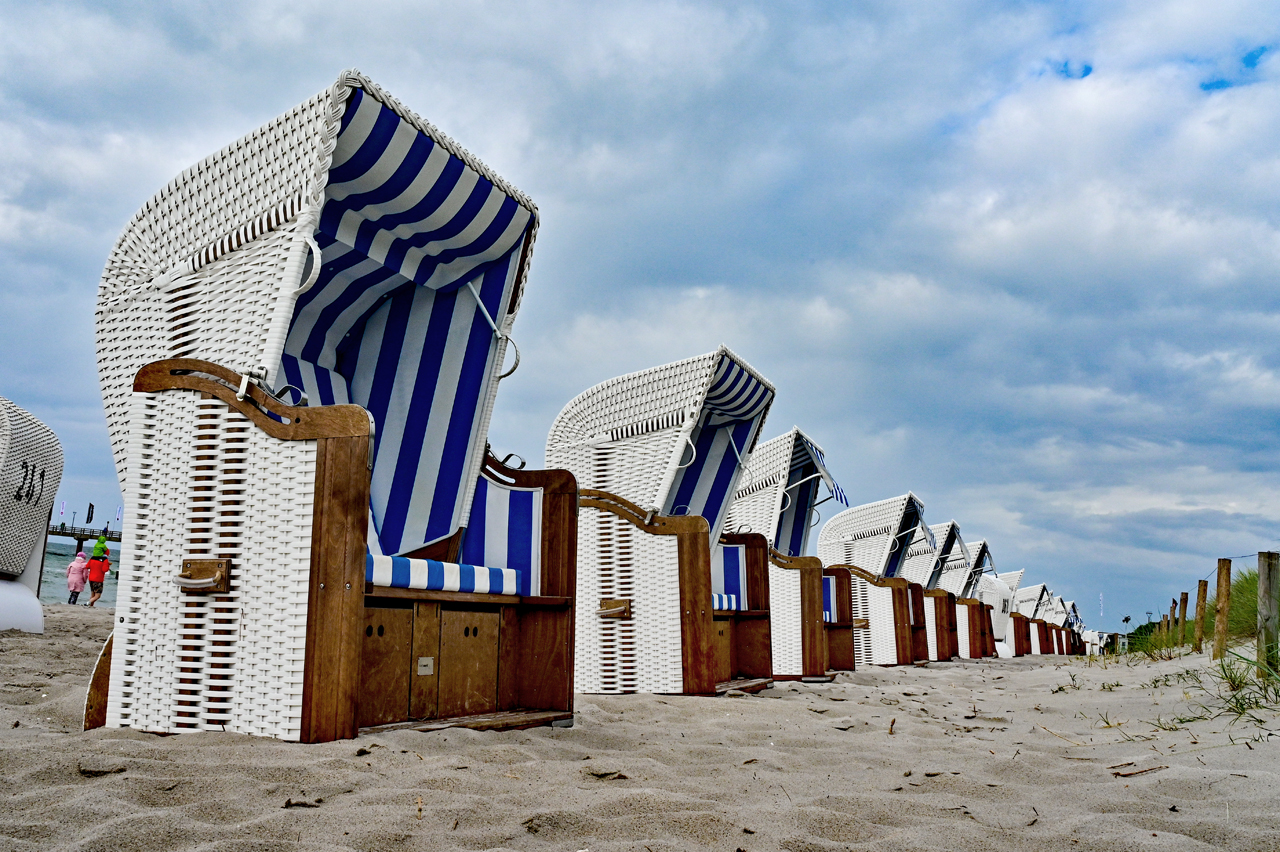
x,y
981,756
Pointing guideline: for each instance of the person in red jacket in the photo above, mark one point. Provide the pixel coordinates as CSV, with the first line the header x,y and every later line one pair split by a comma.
x,y
99,567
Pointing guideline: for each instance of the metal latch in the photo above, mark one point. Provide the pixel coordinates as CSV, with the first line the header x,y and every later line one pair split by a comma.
x,y
614,608
426,666
205,575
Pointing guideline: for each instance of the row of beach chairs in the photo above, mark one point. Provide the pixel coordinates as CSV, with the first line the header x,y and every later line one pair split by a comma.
x,y
300,340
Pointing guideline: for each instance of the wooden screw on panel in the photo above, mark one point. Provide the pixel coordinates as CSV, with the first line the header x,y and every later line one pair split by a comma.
x,y
1224,606
1202,601
1268,614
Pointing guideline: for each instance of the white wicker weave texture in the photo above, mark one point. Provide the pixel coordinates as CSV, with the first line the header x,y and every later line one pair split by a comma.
x,y
30,472
962,632
236,661
931,627
786,626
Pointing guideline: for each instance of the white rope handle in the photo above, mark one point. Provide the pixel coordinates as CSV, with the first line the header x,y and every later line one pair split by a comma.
x,y
314,275
695,454
187,583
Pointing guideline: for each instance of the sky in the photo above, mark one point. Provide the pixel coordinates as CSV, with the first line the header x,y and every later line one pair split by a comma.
x,y
1019,258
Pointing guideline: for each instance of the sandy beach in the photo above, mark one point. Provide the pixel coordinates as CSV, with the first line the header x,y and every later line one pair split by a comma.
x,y
949,756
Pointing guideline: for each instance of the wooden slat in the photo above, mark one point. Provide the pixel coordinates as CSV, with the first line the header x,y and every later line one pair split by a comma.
x,y
503,721
745,684
95,702
424,688
335,612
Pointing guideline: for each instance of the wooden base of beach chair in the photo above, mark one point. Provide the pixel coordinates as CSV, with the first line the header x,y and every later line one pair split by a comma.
x,y
441,657
509,720
744,684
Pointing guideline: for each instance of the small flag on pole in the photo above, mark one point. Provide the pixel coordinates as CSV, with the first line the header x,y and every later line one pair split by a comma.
x,y
62,512
119,510
1099,604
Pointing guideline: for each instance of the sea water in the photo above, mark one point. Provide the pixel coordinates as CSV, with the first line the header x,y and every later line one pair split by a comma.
x,y
58,554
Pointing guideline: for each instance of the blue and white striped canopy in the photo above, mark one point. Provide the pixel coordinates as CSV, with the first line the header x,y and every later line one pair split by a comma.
x,y
420,257
732,413
808,468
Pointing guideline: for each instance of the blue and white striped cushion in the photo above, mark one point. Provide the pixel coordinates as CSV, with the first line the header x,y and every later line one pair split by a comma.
x,y
505,531
724,602
398,572
729,577
828,598
732,412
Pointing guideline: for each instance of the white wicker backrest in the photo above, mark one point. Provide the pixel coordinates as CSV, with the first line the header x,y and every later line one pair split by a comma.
x,y
1029,600
990,590
954,571
357,250
30,471
674,438
1012,579
779,498
875,536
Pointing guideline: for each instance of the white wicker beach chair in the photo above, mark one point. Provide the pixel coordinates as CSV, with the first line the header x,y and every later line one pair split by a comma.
x,y
780,500
1032,602
659,454
872,540
354,558
941,567
30,471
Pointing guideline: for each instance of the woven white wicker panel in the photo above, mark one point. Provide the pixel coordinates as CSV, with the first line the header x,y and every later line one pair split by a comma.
x,y
757,511
962,631
204,482
632,469
877,645
1035,640
642,653
931,627
785,621
222,313
861,609
30,472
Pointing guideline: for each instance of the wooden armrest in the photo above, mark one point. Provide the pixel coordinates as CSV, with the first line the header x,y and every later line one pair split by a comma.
x,y
295,423
653,523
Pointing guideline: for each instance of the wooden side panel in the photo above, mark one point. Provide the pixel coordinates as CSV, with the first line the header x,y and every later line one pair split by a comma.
x,y
840,648
545,664
753,647
903,631
335,613
944,611
509,673
384,666
919,634
725,658
95,702
813,655
468,661
696,630
424,664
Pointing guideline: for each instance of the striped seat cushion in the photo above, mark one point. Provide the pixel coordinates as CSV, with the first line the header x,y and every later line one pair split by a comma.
x,y
398,572
829,599
729,577
722,602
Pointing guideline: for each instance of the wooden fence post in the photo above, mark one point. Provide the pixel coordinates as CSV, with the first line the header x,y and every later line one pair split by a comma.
x,y
1268,615
1202,600
1224,606
1182,620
